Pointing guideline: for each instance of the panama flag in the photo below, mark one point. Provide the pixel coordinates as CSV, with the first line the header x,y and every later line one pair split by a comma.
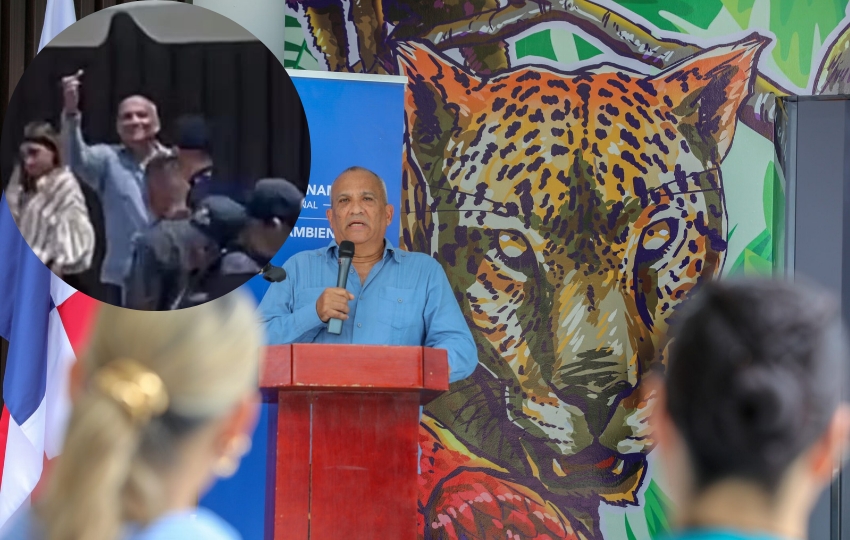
x,y
45,322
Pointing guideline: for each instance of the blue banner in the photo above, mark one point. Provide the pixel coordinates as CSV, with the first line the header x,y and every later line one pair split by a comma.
x,y
353,120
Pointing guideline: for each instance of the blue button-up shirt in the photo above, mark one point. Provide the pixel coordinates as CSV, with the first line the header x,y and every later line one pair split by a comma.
x,y
405,300
119,181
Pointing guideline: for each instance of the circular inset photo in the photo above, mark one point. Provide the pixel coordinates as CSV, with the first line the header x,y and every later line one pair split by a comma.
x,y
155,155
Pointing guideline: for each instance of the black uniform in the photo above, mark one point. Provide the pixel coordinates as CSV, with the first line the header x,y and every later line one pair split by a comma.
x,y
220,219
162,261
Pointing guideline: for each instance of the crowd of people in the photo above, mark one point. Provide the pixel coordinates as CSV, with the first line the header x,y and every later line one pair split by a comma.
x,y
175,235
750,417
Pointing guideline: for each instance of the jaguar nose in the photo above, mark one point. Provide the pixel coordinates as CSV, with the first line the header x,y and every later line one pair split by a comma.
x,y
595,382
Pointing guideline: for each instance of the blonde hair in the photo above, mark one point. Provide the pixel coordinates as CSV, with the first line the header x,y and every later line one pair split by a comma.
x,y
112,465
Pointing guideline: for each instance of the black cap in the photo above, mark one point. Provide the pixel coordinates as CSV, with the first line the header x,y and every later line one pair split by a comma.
x,y
220,218
193,133
275,198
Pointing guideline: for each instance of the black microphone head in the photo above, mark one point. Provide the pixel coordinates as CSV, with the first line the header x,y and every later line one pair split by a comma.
x,y
346,249
274,274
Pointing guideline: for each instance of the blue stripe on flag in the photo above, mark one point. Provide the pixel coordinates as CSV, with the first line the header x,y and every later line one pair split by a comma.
x,y
24,312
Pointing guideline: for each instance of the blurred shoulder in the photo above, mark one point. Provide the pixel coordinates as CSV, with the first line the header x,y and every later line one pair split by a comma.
x,y
199,523
24,526
716,534
63,176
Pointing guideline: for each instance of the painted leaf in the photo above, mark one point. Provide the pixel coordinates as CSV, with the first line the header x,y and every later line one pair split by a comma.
x,y
757,256
538,44
585,49
799,27
755,265
630,535
656,510
697,13
740,10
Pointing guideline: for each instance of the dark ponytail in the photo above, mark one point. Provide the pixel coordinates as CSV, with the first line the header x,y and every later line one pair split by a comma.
x,y
755,374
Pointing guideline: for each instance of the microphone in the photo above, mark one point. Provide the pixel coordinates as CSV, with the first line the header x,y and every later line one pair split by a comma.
x,y
273,274
346,253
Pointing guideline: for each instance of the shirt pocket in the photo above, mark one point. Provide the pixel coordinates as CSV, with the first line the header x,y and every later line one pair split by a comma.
x,y
400,308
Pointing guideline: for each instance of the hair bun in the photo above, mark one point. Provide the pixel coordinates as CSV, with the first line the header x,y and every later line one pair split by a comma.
x,y
767,401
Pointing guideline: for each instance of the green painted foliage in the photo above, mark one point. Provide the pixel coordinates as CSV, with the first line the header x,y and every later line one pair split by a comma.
x,y
760,257
585,49
630,535
656,511
537,44
697,12
795,23
294,44
740,10
800,27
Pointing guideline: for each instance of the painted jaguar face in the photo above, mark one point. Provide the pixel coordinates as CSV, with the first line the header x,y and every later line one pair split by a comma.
x,y
572,213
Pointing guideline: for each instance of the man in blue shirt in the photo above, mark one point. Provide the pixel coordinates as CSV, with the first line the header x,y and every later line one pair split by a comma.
x,y
392,297
116,173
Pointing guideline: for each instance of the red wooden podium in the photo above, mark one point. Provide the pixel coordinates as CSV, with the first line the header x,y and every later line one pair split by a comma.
x,y
342,457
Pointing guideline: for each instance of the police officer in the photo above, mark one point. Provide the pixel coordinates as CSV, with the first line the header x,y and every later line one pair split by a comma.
x,y
273,209
155,250
172,257
195,151
216,224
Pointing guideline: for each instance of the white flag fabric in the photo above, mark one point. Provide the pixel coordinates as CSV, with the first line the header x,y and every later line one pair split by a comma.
x,y
58,16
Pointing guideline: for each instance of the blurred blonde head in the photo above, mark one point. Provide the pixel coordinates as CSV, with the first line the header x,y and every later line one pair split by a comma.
x,y
165,394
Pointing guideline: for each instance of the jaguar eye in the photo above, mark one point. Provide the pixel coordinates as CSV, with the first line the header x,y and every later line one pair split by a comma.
x,y
657,237
513,249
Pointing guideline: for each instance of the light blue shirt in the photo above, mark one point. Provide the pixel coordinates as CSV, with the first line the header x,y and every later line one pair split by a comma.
x,y
405,300
717,534
194,523
119,181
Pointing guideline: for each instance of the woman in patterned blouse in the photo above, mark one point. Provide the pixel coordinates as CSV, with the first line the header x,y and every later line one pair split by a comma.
x,y
48,204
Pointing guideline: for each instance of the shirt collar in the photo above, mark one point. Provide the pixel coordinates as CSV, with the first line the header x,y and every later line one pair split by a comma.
x,y
158,149
332,248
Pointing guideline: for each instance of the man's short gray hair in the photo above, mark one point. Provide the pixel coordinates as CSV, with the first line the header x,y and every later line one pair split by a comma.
x,y
357,168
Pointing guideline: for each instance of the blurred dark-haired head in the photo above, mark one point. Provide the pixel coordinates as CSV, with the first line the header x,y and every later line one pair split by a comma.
x,y
275,199
192,133
193,141
755,376
220,218
39,150
273,208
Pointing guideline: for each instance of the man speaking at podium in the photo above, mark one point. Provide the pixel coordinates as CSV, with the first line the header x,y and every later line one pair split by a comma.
x,y
391,296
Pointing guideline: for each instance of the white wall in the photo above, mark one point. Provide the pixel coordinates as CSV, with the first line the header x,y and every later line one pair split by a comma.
x,y
263,18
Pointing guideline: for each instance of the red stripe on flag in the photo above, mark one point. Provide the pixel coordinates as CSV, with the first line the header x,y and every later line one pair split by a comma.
x,y
4,434
78,314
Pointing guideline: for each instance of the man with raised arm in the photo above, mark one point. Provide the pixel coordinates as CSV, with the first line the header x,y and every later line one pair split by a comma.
x,y
116,173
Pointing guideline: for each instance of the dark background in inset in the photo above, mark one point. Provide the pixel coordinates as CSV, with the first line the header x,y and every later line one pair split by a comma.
x,y
258,125
21,22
